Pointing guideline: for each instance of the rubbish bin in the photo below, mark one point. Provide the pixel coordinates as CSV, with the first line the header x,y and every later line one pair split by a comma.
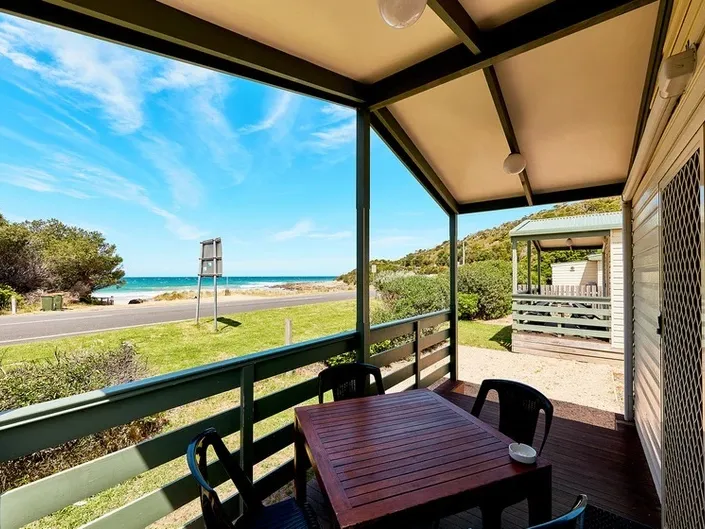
x,y
47,302
58,302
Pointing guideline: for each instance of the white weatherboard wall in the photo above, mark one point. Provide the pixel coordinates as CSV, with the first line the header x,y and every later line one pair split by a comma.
x,y
575,273
647,343
616,288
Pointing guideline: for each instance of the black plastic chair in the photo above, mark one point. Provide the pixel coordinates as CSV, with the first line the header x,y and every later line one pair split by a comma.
x,y
571,520
283,515
519,407
348,381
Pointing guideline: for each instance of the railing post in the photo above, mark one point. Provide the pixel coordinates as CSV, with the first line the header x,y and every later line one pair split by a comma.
x,y
515,278
417,353
363,234
453,240
247,415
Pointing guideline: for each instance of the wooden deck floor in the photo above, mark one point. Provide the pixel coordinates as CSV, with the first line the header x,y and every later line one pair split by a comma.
x,y
592,452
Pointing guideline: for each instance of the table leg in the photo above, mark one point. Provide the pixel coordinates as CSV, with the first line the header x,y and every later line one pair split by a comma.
x,y
300,464
491,516
540,498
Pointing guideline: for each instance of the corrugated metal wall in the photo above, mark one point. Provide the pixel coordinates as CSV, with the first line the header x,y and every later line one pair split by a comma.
x,y
647,350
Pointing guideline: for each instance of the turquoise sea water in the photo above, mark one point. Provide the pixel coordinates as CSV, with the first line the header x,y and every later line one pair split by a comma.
x,y
146,287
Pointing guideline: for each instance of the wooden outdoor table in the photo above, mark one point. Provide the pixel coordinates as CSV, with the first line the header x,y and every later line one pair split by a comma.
x,y
411,456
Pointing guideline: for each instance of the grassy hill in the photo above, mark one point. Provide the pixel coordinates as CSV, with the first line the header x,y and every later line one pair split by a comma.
x,y
492,243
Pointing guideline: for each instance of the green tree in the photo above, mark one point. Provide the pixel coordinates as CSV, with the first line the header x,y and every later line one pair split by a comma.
x,y
21,265
77,260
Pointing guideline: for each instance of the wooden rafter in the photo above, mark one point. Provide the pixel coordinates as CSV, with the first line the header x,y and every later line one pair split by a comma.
x,y
536,28
505,120
393,134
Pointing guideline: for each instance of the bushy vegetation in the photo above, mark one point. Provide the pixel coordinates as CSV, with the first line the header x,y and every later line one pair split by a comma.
x,y
491,282
468,305
6,295
33,382
50,255
407,295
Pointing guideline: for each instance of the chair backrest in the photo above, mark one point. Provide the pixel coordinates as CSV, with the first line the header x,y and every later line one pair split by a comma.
x,y
348,381
571,520
519,407
214,515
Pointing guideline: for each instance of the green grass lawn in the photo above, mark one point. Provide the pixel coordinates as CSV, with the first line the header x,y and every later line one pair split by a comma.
x,y
173,346
489,336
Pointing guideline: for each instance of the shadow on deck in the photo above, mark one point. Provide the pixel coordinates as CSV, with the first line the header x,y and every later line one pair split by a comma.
x,y
592,451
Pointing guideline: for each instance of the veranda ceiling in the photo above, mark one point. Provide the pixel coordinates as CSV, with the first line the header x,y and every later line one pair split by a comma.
x,y
565,83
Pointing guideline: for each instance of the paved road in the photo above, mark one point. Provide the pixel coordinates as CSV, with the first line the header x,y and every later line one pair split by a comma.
x,y
43,326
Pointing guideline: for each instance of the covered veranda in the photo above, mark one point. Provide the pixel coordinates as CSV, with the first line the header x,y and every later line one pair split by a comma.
x,y
566,85
580,314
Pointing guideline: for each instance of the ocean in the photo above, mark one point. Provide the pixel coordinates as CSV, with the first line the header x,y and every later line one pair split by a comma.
x,y
148,287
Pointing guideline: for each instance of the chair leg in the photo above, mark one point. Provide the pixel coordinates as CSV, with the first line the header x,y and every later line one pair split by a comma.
x,y
491,516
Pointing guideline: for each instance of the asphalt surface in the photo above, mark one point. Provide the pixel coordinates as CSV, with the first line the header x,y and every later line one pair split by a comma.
x,y
46,325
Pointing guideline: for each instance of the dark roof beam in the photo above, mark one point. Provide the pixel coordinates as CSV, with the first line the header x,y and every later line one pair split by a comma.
x,y
504,119
536,28
399,142
158,28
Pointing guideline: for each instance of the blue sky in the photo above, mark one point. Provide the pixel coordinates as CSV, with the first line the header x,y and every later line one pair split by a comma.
x,y
158,155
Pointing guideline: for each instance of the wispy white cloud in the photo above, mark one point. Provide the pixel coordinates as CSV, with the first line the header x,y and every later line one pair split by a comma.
x,y
166,157
334,137
307,228
277,111
104,74
300,229
206,93
35,180
336,113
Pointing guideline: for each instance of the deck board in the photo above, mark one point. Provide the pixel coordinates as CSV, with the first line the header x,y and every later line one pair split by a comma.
x,y
592,452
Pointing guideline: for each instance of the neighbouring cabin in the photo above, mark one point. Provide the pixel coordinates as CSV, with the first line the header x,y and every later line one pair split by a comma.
x,y
579,312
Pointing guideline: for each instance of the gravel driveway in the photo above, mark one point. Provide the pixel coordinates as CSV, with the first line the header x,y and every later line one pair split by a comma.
x,y
588,384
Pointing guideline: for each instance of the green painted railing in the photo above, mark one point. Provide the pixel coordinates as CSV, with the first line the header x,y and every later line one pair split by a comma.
x,y
27,430
587,317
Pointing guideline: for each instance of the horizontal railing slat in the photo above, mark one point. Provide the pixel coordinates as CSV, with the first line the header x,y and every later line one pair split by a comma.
x,y
435,375
552,308
435,338
315,352
394,329
284,399
435,356
40,498
587,333
44,425
562,299
587,322
271,443
398,376
392,355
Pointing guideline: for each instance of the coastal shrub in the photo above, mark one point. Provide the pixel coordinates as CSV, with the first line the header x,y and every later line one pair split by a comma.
x,y
174,295
491,281
413,295
468,305
6,294
69,374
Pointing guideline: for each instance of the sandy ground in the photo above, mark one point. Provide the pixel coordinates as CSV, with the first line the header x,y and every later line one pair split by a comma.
x,y
588,384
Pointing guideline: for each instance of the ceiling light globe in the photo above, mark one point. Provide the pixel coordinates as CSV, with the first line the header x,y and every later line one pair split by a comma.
x,y
401,13
515,163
